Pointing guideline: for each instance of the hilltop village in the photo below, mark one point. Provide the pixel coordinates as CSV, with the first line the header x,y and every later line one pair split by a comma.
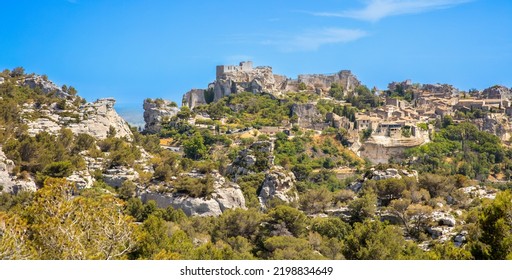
x,y
401,117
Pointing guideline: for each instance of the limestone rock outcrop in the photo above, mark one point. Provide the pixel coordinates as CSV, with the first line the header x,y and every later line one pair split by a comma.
x,y
115,177
497,92
11,184
45,85
226,195
308,116
95,119
279,184
158,111
495,124
380,149
386,174
194,98
258,157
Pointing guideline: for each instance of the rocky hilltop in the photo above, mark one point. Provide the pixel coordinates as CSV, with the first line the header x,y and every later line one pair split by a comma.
x,y
94,118
246,78
158,111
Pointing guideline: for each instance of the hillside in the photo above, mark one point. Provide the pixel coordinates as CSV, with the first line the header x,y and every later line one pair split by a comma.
x,y
256,166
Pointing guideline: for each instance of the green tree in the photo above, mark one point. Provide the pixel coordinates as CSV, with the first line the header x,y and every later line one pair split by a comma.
x,y
495,229
316,200
374,240
363,207
289,248
194,147
285,220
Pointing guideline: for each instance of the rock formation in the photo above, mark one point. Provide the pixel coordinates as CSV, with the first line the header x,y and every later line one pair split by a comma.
x,y
193,98
381,149
45,85
308,116
11,184
495,124
226,195
497,92
95,119
258,157
279,184
157,111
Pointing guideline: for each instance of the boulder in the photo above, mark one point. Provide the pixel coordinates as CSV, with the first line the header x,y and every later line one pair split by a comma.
x,y
81,180
280,184
115,177
226,195
444,219
385,174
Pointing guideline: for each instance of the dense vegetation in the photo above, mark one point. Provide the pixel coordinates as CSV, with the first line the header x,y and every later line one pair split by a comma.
x,y
463,149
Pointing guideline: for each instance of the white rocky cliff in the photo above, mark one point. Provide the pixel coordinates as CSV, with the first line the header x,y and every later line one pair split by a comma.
x,y
156,112
96,119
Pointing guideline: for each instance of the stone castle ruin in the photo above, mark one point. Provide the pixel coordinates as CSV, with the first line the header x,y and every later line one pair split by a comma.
x,y
244,66
232,79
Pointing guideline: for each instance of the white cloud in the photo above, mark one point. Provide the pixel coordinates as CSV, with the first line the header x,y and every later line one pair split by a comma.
x,y
312,40
376,10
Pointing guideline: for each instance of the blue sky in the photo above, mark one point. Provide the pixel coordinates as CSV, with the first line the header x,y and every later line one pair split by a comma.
x,y
131,50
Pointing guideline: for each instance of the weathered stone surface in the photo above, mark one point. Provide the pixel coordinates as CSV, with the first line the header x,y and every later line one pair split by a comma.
x,y
308,116
498,125
94,119
279,184
344,78
156,111
82,180
115,177
258,157
226,195
444,219
45,85
380,149
497,92
194,98
10,184
6,166
386,174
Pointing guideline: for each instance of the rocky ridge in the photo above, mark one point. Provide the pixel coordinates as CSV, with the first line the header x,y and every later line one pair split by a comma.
x,y
96,119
